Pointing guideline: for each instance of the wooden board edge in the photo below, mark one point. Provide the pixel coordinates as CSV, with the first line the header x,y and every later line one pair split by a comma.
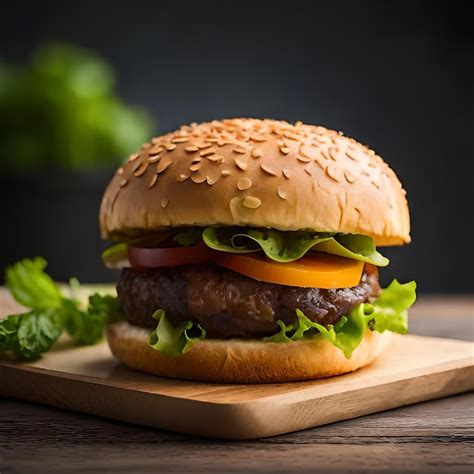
x,y
251,420
310,413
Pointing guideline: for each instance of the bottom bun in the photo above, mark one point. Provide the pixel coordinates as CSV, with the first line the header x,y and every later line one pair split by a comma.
x,y
242,361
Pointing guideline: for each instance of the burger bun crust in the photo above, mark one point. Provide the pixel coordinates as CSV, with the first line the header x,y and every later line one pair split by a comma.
x,y
242,361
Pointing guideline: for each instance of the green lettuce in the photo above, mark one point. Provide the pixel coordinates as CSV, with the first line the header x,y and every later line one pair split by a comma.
x,y
115,255
188,236
174,341
292,245
30,334
277,245
387,313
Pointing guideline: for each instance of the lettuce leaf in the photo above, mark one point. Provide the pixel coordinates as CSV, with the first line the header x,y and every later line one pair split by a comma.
x,y
114,256
277,245
28,335
188,236
387,313
31,286
174,341
291,245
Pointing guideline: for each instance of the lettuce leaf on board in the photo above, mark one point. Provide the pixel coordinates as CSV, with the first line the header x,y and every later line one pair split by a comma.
x,y
30,334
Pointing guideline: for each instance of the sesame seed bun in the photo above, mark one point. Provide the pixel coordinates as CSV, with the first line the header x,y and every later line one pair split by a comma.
x,y
243,361
258,173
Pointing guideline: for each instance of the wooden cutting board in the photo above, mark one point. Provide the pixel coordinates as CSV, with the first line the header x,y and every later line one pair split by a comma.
x,y
90,380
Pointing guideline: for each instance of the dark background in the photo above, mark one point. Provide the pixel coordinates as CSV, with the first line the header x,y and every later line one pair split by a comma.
x,y
396,75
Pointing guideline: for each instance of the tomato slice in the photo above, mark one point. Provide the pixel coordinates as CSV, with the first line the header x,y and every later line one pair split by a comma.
x,y
141,257
314,270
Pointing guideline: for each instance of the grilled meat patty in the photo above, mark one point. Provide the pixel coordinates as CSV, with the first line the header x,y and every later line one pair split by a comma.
x,y
228,304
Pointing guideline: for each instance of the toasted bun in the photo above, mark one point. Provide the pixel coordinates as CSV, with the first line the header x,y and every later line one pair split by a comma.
x,y
258,173
240,361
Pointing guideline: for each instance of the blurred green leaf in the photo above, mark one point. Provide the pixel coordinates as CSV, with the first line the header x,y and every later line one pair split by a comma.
x,y
60,110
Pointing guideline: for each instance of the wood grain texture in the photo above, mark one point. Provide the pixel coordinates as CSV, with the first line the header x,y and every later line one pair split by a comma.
x,y
435,436
89,380
429,437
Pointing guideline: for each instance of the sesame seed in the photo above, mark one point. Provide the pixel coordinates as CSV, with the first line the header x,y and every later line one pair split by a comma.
x,y
292,136
351,155
257,153
225,172
133,157
268,169
258,138
212,179
154,179
155,150
320,162
319,141
349,177
180,140
251,202
325,154
123,183
333,153
282,194
141,169
239,149
164,202
303,159
216,158
286,173
183,176
170,146
241,164
191,148
120,171
208,151
245,137
195,167
145,146
136,166
164,164
204,145
244,183
198,178
308,171
308,151
331,172
154,159
285,150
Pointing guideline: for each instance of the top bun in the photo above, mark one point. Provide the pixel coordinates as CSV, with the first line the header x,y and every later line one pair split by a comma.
x,y
257,173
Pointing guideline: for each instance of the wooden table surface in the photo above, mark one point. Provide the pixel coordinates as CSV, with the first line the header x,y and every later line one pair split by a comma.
x,y
434,436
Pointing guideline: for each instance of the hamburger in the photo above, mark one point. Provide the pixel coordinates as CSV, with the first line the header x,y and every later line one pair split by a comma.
x,y
248,253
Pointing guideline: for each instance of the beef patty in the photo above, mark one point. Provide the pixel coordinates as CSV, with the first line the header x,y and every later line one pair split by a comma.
x,y
228,304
